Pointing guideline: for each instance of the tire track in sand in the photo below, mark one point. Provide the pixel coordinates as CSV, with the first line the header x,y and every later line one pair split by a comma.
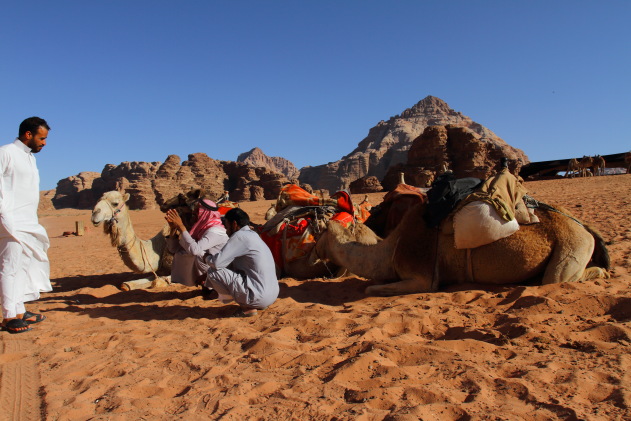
x,y
19,381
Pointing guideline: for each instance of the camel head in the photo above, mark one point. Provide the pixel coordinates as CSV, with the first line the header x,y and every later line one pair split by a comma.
x,y
185,203
110,204
336,233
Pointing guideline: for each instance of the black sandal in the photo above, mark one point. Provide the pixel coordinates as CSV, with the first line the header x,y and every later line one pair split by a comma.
x,y
16,326
32,318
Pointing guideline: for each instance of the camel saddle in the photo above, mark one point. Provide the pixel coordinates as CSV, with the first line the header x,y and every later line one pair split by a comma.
x,y
481,212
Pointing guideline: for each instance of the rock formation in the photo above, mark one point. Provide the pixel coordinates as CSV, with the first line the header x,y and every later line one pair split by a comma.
x,y
388,143
150,184
457,148
256,158
369,184
401,144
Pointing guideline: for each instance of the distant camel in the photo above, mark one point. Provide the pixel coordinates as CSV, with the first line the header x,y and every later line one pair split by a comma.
x,y
598,165
586,163
627,161
573,168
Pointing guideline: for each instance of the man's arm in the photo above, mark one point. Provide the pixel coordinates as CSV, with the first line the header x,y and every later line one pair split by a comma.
x,y
6,223
233,249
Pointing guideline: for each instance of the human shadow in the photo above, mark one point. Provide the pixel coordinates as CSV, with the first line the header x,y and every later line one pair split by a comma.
x,y
78,283
151,312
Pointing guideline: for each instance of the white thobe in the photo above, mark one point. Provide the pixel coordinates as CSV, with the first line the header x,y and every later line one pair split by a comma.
x,y
24,266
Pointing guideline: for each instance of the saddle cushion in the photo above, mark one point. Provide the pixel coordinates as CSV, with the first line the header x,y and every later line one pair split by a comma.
x,y
477,224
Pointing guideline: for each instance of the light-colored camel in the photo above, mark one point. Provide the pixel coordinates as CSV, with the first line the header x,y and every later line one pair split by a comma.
x,y
141,256
586,163
598,165
627,161
421,259
573,168
270,212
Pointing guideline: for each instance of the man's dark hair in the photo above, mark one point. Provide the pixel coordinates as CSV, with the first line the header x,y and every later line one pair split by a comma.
x,y
32,124
239,216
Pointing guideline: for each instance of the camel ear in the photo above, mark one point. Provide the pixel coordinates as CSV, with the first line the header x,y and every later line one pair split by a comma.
x,y
126,197
195,193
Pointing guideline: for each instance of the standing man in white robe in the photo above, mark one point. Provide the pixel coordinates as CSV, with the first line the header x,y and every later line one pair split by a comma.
x,y
24,266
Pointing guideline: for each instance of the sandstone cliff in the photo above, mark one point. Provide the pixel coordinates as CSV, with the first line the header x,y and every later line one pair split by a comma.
x,y
388,143
151,183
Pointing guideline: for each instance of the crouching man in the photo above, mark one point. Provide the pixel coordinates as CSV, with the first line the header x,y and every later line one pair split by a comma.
x,y
244,269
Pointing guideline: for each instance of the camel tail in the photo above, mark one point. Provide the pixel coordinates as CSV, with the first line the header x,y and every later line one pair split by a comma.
x,y
600,256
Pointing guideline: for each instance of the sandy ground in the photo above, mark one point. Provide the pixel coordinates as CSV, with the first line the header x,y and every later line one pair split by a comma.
x,y
325,350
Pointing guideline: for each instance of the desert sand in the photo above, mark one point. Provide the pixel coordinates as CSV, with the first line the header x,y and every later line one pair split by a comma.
x,y
325,350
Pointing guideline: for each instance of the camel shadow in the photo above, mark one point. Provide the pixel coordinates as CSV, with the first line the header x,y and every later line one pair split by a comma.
x,y
71,283
321,291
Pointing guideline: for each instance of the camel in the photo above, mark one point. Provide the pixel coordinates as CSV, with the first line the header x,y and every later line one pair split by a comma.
x,y
270,212
421,259
573,168
298,268
141,256
585,164
598,165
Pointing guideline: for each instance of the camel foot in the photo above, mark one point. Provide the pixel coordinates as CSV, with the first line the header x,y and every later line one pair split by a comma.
x,y
161,282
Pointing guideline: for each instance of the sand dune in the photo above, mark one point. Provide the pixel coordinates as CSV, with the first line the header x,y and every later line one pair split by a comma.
x,y
325,350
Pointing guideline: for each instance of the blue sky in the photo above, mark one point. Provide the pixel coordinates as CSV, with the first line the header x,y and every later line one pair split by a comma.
x,y
138,80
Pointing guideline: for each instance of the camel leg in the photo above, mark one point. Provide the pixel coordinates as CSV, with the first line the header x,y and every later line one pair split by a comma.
x,y
406,286
143,283
146,283
161,282
567,264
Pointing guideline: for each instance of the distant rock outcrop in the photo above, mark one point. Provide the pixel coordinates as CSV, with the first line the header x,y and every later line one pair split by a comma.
x,y
368,184
256,158
455,148
388,143
151,183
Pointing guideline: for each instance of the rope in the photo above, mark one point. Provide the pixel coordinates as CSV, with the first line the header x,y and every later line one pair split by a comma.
x,y
125,248
533,203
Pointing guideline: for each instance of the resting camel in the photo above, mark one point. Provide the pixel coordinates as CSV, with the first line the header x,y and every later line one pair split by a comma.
x,y
299,268
598,165
421,259
573,168
141,256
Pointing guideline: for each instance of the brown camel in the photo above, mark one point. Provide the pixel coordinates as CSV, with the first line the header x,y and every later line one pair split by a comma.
x,y
585,164
598,166
420,259
573,168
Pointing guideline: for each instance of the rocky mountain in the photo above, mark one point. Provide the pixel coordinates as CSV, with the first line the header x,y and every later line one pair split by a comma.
x,y
152,183
256,158
388,143
420,142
